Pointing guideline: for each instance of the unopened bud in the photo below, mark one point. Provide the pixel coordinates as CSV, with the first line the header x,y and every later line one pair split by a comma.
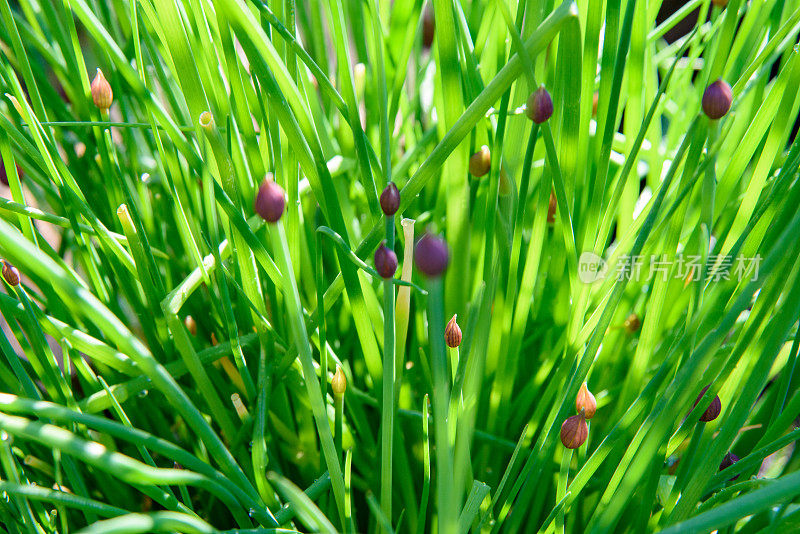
x,y
270,201
585,402
390,199
339,382
574,431
385,261
540,106
11,274
480,162
717,99
190,324
102,95
452,333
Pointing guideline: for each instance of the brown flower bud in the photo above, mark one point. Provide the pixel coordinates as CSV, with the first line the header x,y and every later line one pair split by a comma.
x,y
480,162
632,323
428,26
431,255
339,382
102,95
270,201
574,431
595,100
540,106
585,402
190,324
713,410
11,274
720,3
390,199
452,333
717,99
551,208
385,261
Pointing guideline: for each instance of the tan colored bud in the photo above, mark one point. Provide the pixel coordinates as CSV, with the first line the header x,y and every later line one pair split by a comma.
x,y
102,95
11,274
574,431
339,382
480,162
452,333
190,324
585,402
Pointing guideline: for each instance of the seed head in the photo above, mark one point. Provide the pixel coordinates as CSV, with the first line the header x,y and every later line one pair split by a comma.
x,y
540,106
339,382
452,333
102,95
728,460
551,208
390,199
431,255
574,431
717,99
480,162
585,402
11,274
713,410
190,324
632,323
270,201
385,261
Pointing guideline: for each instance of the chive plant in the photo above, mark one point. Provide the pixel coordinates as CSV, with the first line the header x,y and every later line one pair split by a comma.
x,y
233,233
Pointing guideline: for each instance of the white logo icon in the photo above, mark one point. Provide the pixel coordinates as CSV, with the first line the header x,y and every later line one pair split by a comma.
x,y
591,268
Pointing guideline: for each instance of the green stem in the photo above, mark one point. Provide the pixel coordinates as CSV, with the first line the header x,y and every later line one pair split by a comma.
x,y
295,317
388,408
446,497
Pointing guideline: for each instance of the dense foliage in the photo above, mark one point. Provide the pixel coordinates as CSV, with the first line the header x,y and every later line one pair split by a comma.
x,y
444,266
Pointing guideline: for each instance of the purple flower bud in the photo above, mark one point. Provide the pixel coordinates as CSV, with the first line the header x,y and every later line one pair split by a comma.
x,y
717,99
385,261
431,255
540,106
390,199
728,460
270,201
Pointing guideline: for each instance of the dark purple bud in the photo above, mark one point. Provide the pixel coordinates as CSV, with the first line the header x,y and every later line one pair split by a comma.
x,y
390,199
717,99
728,460
270,201
431,255
713,410
540,106
385,261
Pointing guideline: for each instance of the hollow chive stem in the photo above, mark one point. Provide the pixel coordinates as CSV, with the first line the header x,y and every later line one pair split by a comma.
x,y
561,488
448,514
388,408
280,249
